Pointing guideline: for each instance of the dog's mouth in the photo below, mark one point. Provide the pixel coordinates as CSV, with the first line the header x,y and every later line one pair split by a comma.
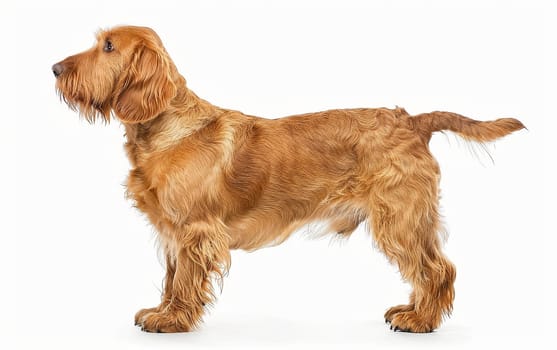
x,y
89,108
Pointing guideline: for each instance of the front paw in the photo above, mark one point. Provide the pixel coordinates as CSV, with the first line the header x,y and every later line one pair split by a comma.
x,y
141,313
164,321
410,321
390,314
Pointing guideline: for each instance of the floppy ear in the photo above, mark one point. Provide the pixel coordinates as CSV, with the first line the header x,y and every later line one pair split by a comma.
x,y
146,89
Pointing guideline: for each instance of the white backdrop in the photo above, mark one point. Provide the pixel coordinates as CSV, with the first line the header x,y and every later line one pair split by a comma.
x,y
86,262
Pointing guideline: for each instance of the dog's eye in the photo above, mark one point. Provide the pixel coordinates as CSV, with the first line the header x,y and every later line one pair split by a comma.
x,y
108,47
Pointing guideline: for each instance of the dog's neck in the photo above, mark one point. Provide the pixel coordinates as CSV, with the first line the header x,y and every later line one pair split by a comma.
x,y
186,115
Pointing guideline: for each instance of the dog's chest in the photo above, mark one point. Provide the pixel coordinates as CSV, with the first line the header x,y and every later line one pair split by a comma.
x,y
176,186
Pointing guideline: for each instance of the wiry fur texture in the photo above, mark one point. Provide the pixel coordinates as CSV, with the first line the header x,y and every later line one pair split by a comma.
x,y
211,179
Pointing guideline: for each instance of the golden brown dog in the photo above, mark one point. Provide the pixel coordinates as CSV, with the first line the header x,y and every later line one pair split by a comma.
x,y
211,179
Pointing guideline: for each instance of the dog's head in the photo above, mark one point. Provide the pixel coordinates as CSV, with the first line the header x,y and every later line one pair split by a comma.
x,y
128,72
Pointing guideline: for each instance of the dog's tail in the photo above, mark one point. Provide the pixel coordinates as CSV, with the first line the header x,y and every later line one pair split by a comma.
x,y
467,128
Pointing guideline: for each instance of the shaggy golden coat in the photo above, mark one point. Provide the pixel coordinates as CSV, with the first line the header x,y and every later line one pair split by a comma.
x,y
211,179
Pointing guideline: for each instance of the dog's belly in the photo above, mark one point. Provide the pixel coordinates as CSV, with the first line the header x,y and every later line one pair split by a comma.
x,y
260,227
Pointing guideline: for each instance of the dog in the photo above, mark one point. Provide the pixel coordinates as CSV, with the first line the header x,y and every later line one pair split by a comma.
x,y
211,179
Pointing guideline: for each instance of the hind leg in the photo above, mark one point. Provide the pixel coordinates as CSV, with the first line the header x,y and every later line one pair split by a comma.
x,y
405,225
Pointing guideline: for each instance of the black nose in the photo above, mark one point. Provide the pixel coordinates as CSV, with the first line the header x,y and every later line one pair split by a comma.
x,y
57,69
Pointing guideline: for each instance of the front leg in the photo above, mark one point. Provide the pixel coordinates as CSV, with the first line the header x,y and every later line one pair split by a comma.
x,y
166,294
202,254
